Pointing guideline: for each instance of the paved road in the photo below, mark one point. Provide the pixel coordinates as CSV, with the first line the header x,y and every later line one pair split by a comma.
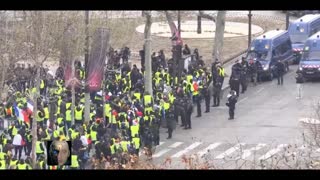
x,y
266,121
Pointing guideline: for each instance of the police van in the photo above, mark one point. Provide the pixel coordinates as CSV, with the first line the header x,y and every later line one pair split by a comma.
x,y
310,60
268,49
300,30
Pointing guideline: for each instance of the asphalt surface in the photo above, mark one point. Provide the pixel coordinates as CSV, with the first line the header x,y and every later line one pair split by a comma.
x,y
266,121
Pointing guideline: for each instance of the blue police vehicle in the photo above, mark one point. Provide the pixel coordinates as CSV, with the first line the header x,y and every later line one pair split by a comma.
x,y
268,49
300,30
310,61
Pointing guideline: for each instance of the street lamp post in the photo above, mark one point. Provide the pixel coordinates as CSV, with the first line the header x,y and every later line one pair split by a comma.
x,y
199,25
249,33
179,22
287,20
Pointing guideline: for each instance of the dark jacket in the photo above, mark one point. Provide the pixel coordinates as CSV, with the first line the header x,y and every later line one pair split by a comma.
x,y
299,78
232,100
171,122
216,88
206,92
280,69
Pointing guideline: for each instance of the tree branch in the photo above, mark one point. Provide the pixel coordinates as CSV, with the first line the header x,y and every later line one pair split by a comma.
x,y
207,16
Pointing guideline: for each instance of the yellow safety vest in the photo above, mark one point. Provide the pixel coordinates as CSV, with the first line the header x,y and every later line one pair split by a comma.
x,y
166,105
118,77
78,114
136,142
74,134
47,135
168,77
82,100
221,72
13,163
39,119
3,164
93,135
171,98
112,148
38,148
41,84
124,145
137,95
148,110
46,112
157,74
14,131
91,116
74,161
107,110
147,99
59,120
68,104
2,155
56,133
113,119
41,165
68,115
189,77
4,142
22,166
134,130
81,74
196,92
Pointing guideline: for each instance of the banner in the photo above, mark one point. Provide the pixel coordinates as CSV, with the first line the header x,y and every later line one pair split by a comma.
x,y
97,57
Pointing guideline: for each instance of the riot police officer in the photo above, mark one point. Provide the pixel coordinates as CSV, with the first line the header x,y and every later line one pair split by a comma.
x,y
171,123
232,100
243,75
188,109
235,77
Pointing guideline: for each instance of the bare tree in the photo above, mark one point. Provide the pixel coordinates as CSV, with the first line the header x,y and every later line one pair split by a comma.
x,y
219,32
147,37
43,31
207,16
218,39
10,48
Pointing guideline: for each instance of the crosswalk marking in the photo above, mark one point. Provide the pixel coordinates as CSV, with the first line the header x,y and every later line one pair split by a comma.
x,y
273,152
229,151
192,146
160,153
210,147
176,144
160,143
247,152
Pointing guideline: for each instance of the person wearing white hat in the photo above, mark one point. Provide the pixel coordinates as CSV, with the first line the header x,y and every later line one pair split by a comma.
x,y
231,103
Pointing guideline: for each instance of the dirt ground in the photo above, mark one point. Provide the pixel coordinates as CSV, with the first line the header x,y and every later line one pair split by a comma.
x,y
232,46
123,33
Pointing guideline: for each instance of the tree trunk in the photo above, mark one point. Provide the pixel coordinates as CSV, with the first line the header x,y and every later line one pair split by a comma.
x,y
73,93
147,37
86,59
218,40
34,120
3,76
